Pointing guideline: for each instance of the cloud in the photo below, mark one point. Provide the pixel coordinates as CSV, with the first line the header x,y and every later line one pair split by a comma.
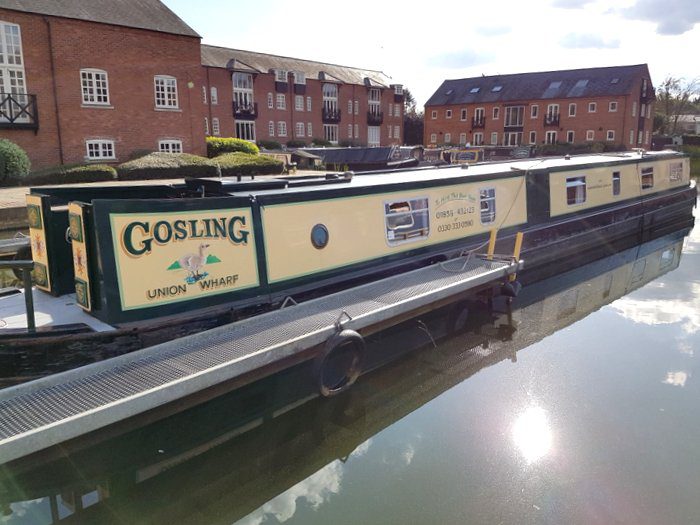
x,y
461,59
493,30
673,17
587,41
570,4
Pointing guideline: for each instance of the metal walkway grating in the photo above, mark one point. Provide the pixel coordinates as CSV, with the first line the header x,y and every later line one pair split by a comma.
x,y
46,411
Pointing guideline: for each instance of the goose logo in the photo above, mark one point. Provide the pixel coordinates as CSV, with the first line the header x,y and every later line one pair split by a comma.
x,y
194,264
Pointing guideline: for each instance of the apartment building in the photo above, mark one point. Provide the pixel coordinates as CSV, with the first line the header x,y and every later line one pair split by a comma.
x,y
257,96
98,81
606,104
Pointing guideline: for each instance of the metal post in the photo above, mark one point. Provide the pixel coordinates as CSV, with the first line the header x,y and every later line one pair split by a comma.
x,y
492,244
29,299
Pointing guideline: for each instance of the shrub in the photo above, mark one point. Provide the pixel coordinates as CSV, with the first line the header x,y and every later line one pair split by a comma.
x,y
269,144
167,166
321,142
233,164
138,153
296,143
14,163
218,145
67,174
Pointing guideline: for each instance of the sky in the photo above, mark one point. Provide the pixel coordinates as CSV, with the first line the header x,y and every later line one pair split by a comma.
x,y
421,45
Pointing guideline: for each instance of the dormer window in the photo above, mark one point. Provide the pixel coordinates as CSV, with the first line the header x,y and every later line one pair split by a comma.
x,y
555,85
299,77
280,75
496,89
398,89
474,90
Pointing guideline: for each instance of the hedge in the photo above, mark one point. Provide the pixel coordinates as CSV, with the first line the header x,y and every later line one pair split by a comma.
x,y
296,143
71,174
167,166
269,144
218,145
14,163
233,164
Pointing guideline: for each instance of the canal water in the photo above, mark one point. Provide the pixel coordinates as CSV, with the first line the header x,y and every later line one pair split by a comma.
x,y
580,404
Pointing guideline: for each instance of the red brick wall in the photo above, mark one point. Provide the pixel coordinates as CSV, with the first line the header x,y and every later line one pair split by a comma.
x,y
131,58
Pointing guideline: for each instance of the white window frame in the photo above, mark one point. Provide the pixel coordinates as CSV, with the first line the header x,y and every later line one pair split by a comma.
x,y
271,128
281,101
478,138
463,114
578,195
590,134
487,196
215,127
90,87
270,101
282,128
448,138
610,135
550,137
448,113
534,111
612,106
634,108
170,146
299,102
281,75
357,107
514,116
397,110
309,130
433,114
308,103
433,138
214,95
330,133
165,91
206,126
374,137
349,107
407,220
102,149
245,129
462,138
494,138
572,106
496,112
204,94
632,137
299,77
570,136
533,137
592,107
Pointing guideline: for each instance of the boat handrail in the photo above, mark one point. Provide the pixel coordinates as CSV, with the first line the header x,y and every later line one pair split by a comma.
x,y
26,267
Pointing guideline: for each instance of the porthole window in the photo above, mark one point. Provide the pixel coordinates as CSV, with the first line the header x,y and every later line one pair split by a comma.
x,y
319,236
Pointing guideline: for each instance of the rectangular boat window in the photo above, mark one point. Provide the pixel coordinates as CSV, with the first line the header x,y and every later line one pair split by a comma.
x,y
616,182
488,205
675,171
647,178
406,220
575,190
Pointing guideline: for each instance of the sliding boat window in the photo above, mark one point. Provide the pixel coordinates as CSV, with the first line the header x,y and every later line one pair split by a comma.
x,y
575,190
647,178
487,198
675,171
616,182
406,220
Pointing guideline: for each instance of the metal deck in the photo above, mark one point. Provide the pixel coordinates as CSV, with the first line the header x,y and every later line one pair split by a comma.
x,y
52,410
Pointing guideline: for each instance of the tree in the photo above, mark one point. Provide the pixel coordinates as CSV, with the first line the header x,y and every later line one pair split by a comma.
x,y
674,97
412,120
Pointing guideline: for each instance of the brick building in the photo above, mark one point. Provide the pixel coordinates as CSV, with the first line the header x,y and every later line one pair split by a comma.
x,y
289,99
98,80
607,104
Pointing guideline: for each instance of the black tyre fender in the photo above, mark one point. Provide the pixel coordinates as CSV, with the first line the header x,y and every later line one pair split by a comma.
x,y
340,362
460,316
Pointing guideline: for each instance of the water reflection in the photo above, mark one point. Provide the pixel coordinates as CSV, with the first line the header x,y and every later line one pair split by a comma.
x,y
532,434
269,453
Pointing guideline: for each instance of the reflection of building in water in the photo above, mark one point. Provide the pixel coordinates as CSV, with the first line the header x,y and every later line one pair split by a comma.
x,y
275,455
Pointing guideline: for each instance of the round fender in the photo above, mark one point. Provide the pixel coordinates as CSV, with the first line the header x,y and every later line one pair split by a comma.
x,y
340,362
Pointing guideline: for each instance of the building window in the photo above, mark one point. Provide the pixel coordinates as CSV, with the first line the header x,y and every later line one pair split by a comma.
x,y
406,220
10,45
357,107
330,101
271,128
631,137
299,103
642,110
309,130
281,128
215,127
572,110
204,94
166,92
170,146
647,178
281,101
610,135
270,101
100,149
512,138
463,114
357,131
433,138
552,112
634,108
494,138
245,129
616,182
448,113
570,137
330,133
487,198
95,87
550,137
299,77
534,111
373,138
206,126
308,103
592,107
397,110
646,137
374,101
433,114
590,134
462,138
612,107
575,190
350,107
533,137
514,116
478,138
448,138
214,96
12,72
641,135
280,75
398,89
243,93
496,113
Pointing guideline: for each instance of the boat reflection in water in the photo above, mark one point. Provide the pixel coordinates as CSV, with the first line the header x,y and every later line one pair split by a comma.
x,y
254,453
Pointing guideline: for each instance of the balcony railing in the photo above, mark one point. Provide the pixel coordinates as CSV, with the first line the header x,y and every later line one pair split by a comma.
x,y
18,111
375,118
331,115
647,95
478,122
551,120
245,111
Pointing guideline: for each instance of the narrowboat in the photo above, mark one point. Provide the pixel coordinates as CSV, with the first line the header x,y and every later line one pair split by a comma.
x,y
121,268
